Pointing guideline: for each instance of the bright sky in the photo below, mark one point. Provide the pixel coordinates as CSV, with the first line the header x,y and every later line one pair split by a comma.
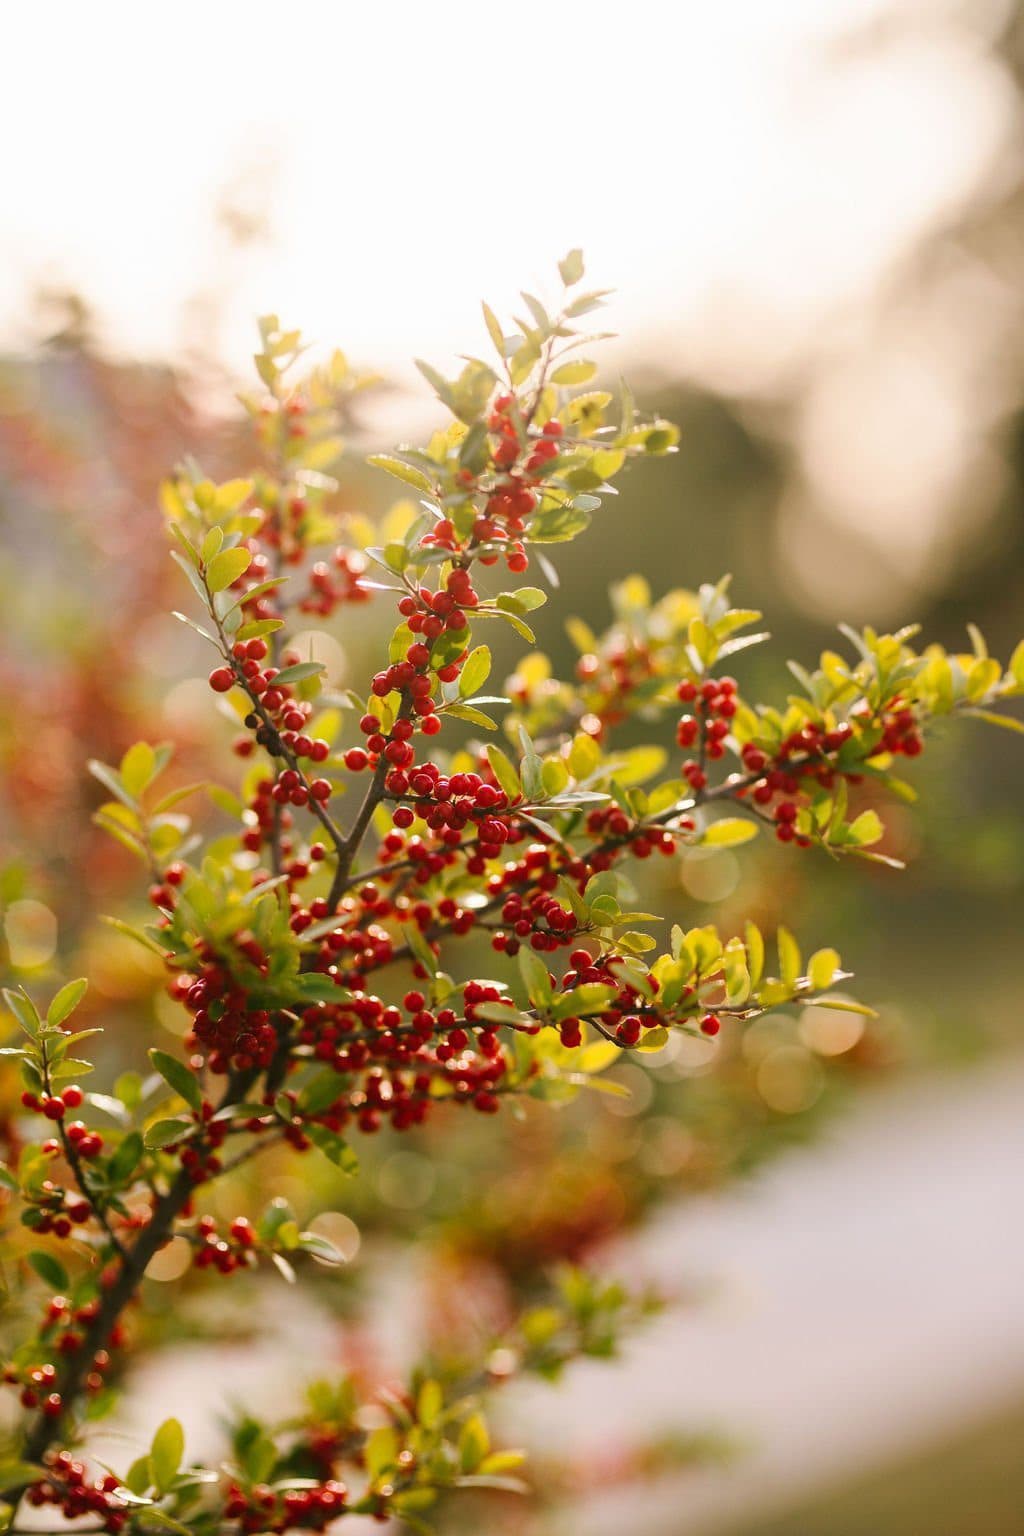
x,y
747,175
729,168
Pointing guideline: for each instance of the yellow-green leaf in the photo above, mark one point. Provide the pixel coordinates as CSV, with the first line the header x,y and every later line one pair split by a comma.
x,y
401,471
225,568
821,969
475,671
578,372
755,953
728,833
138,767
165,1454
866,829
789,956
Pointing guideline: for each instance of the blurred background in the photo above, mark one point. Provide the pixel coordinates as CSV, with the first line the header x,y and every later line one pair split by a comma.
x,y
813,218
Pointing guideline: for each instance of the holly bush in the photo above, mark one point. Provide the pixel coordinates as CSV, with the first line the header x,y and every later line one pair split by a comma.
x,y
317,953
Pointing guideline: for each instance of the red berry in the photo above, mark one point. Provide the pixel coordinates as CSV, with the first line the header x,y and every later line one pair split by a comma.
x,y
221,679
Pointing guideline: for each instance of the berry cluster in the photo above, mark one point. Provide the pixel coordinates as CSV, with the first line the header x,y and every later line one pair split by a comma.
x,y
223,1024
613,677
225,1255
68,1487
616,830
267,1509
901,733
330,588
629,1014
62,1335
536,917
803,758
714,703
280,727
54,1210
55,1105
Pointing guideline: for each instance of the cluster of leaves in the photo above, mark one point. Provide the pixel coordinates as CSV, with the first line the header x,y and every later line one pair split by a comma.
x,y
348,1451
316,957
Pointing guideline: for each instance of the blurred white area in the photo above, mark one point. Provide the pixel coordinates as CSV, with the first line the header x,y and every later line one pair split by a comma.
x,y
856,1302
759,179
739,171
867,1303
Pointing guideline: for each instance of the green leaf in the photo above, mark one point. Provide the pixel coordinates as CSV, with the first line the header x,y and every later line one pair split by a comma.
x,y
522,629
554,775
535,977
789,956
108,1105
473,716
136,1479
401,471
194,579
579,372
494,329
429,1403
255,629
728,833
866,829
1016,667
591,998
474,1443
66,1001
821,969
586,302
153,1516
842,1005
16,1474
653,1039
570,268
607,462
421,949
522,600
163,1132
181,1079
165,1454
505,772
584,756
599,1055
49,1269
498,1484
1008,722
475,671
212,543
24,1010
380,1452
531,772
126,1159
299,672
320,1248
755,952
503,1013
224,569
111,781
138,767
334,1147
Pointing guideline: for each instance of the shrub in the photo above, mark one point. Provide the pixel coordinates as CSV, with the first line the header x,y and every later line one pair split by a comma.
x,y
317,952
